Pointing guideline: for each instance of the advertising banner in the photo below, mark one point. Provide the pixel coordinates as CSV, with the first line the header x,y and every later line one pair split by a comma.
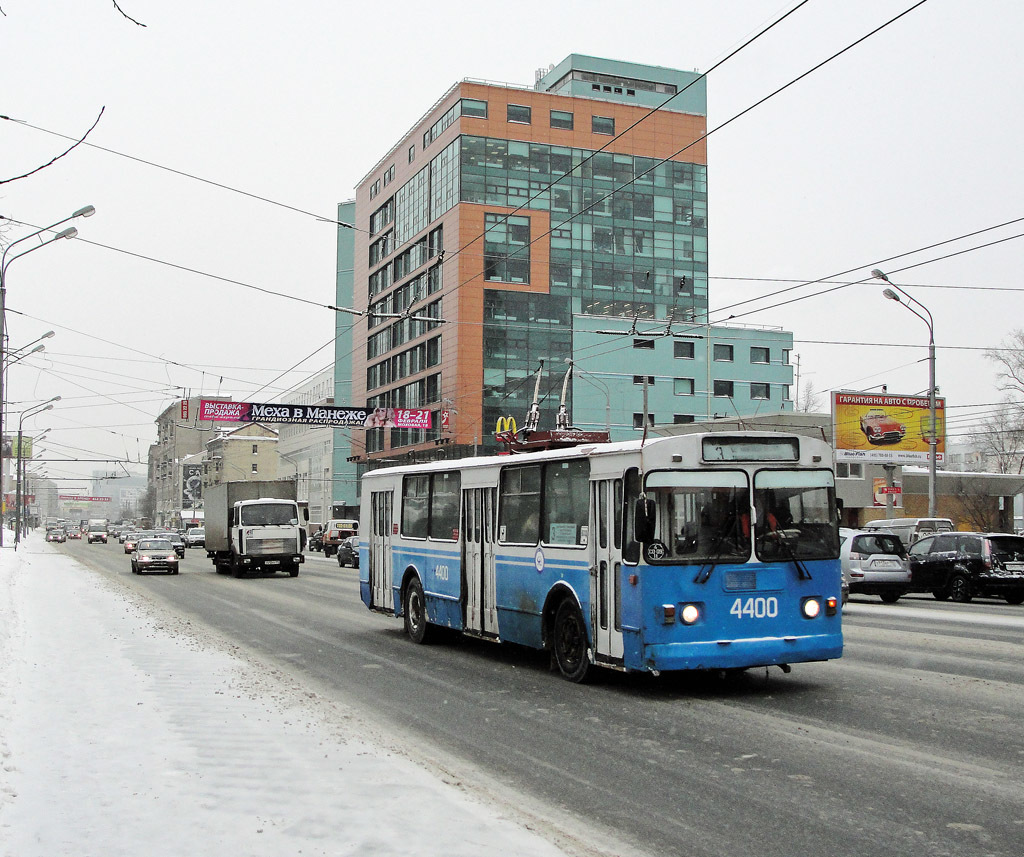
x,y
316,415
81,499
886,429
191,486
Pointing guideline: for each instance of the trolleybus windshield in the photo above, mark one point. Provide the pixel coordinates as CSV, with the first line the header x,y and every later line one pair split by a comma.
x,y
795,515
701,515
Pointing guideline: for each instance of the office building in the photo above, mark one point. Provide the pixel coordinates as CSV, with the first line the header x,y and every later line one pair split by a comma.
x,y
515,227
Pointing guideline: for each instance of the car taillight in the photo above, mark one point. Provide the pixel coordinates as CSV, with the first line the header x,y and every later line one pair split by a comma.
x,y
986,553
858,556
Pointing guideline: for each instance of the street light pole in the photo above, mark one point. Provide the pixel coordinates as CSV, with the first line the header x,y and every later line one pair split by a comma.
x,y
35,409
933,434
70,232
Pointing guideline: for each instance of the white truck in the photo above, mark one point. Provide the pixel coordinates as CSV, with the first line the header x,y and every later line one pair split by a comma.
x,y
254,527
96,530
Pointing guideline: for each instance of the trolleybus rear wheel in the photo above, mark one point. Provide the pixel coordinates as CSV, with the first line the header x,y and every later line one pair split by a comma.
x,y
416,625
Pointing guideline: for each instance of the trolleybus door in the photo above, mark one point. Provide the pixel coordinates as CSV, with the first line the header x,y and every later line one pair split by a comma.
x,y
606,566
478,559
379,549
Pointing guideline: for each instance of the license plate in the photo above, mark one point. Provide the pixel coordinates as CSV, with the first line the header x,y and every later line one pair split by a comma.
x,y
885,563
1015,566
272,562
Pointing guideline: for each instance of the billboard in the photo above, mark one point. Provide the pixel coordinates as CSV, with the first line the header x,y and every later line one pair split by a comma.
x,y
317,415
191,486
886,429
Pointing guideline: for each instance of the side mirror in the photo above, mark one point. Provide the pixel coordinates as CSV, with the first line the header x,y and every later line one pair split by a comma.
x,y
644,518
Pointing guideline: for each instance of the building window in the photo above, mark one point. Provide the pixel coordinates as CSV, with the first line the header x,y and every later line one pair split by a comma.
x,y
255,467
760,391
682,350
723,389
723,353
474,108
759,355
506,249
682,386
519,113
412,153
389,176
639,379
603,125
678,419
561,119
849,470
255,448
643,343
638,420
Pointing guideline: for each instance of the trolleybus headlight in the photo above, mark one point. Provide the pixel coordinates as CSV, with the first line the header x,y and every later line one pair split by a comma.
x,y
811,608
690,614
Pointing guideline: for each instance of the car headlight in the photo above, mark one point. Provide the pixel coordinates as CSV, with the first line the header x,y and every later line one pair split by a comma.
x,y
145,558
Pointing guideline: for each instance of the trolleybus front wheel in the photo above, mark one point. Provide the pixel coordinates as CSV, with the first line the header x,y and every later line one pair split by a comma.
x,y
569,641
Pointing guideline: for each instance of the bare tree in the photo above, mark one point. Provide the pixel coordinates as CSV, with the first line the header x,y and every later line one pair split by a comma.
x,y
56,157
999,439
1009,359
977,509
809,400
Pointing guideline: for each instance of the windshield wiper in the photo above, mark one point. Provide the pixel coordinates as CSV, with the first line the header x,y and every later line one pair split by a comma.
x,y
706,569
800,567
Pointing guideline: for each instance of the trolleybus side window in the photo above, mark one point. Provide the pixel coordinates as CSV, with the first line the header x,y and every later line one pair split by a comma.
x,y
415,506
519,518
444,506
430,506
566,502
796,517
631,551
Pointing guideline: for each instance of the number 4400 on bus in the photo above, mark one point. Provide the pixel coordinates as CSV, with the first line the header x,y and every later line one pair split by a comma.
x,y
691,552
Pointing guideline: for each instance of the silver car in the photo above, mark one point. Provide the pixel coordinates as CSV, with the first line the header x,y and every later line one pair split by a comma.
x,y
875,563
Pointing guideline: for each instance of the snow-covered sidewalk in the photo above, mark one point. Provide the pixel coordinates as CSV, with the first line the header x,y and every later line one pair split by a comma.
x,y
125,731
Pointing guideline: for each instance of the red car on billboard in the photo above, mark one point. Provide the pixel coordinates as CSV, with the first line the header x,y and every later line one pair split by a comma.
x,y
879,427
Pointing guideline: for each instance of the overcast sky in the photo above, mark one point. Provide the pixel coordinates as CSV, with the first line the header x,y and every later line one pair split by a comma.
x,y
908,139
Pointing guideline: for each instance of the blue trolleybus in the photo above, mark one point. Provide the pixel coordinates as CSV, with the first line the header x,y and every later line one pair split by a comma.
x,y
691,552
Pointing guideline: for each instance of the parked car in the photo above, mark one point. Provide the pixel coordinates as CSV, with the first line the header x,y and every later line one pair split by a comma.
x,y
154,555
875,563
316,541
910,529
195,537
348,552
962,566
56,534
879,427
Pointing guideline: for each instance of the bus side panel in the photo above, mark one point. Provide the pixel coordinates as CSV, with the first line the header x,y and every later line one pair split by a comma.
x,y
440,571
522,590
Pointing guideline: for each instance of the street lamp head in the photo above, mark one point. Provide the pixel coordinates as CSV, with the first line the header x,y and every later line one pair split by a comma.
x,y
87,211
70,232
891,295
879,275
48,335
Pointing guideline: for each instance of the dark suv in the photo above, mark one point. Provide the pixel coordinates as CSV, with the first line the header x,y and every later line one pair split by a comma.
x,y
961,566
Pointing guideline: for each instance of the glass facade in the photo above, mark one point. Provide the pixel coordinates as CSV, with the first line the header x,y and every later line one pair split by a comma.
x,y
629,238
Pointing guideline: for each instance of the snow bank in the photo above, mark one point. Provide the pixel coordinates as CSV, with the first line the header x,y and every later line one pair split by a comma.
x,y
124,732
